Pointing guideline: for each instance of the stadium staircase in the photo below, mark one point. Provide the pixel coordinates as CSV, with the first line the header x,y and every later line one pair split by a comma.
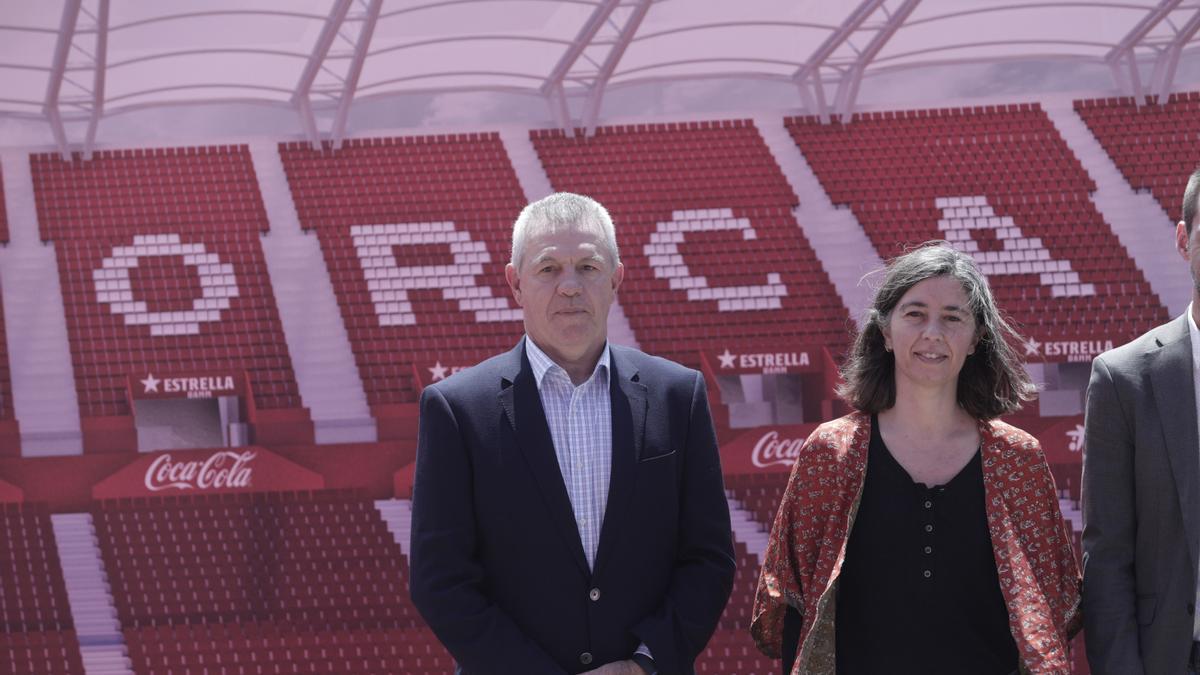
x,y
43,381
1135,217
397,513
321,355
100,643
536,185
835,235
37,635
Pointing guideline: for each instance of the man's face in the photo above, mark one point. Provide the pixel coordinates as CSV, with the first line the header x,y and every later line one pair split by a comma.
x,y
1188,246
566,285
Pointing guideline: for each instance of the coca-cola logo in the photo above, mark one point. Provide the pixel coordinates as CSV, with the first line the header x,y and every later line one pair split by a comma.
x,y
226,469
770,450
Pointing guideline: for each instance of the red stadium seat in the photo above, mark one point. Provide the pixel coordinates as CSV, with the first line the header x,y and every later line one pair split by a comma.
x,y
1001,183
1155,146
37,633
162,270
312,579
414,232
704,219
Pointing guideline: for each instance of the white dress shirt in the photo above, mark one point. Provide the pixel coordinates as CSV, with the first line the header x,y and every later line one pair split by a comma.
x,y
580,421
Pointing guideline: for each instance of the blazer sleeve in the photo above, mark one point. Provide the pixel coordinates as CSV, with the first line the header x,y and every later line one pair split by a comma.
x,y
682,624
446,577
1109,528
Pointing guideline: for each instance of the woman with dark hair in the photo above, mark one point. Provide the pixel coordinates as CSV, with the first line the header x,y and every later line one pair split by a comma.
x,y
928,528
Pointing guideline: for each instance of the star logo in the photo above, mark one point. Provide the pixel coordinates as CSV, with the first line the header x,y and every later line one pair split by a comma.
x,y
1032,347
727,359
1076,436
437,372
151,384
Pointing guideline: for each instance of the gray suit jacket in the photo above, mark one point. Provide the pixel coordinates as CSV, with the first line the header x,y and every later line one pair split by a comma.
x,y
1141,506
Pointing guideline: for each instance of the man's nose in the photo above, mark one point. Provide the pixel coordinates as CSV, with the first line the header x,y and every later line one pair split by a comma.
x,y
569,285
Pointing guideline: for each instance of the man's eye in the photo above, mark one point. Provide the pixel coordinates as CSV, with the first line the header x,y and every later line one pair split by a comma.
x,y
953,318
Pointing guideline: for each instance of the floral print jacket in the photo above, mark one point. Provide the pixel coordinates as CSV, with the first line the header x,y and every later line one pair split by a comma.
x,y
1039,576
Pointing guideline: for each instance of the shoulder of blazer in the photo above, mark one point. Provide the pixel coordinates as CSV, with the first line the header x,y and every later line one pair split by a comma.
x,y
646,365
483,379
1130,353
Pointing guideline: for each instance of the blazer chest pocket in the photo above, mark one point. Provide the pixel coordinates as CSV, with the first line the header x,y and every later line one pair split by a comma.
x,y
655,454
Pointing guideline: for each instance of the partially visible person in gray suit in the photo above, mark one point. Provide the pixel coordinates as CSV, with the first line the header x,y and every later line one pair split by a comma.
x,y
1141,491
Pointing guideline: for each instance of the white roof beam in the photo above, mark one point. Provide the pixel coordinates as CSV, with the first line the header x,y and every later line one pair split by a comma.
x,y
837,38
581,42
810,73
847,93
58,68
591,108
302,96
1168,60
1126,49
1141,29
554,88
350,85
101,61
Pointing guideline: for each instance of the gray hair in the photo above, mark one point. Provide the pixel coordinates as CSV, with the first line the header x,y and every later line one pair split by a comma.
x,y
565,211
992,381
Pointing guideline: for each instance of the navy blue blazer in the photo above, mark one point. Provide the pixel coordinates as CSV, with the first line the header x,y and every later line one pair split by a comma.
x,y
497,566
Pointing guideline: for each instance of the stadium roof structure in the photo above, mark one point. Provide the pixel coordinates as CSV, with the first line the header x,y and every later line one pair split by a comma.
x,y
75,63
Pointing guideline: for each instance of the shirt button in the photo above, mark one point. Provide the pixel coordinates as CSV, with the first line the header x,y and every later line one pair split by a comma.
x,y
928,549
929,528
927,574
594,594
585,658
928,504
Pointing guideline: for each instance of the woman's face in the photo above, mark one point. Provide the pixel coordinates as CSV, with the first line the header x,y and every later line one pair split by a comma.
x,y
931,331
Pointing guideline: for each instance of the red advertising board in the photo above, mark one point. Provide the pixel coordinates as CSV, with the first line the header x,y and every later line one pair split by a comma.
x,y
191,384
10,492
765,449
756,361
1064,348
775,448
220,470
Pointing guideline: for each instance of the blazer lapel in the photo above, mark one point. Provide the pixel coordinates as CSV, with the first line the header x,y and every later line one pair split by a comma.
x,y
1175,395
628,396
523,407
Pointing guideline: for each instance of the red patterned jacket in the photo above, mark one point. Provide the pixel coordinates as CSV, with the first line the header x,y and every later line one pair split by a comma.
x,y
1039,576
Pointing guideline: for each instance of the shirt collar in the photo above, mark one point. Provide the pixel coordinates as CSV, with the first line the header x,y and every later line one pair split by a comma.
x,y
1194,334
542,363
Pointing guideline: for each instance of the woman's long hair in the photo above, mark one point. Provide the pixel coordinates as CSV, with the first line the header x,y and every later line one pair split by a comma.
x,y
992,381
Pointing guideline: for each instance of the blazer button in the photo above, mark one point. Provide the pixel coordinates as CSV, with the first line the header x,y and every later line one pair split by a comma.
x,y
594,594
585,658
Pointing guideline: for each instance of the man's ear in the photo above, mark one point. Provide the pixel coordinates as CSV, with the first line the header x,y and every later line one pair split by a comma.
x,y
1181,240
514,282
618,276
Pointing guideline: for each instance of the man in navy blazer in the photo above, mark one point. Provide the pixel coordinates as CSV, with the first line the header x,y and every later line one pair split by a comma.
x,y
568,508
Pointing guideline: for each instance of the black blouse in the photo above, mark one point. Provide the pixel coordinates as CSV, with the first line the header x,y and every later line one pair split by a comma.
x,y
918,591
